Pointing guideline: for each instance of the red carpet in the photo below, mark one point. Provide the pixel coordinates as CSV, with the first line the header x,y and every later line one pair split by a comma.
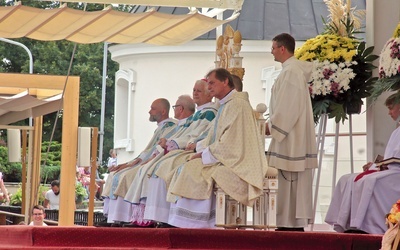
x,y
26,237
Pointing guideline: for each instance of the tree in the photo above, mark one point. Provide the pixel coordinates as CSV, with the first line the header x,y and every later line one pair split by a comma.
x,y
53,58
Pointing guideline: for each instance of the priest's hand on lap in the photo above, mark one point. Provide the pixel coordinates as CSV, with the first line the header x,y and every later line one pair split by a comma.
x,y
163,142
190,147
198,155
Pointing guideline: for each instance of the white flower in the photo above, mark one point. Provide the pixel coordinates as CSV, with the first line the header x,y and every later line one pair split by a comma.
x,y
389,61
330,78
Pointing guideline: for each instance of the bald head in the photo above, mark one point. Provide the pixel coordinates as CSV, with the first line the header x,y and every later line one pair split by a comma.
x,y
159,110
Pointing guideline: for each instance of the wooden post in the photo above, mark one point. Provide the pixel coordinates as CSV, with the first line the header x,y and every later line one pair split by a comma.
x,y
24,145
69,153
37,151
28,189
92,188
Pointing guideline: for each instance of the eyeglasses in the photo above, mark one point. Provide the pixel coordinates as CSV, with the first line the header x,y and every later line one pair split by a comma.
x,y
37,214
177,106
272,48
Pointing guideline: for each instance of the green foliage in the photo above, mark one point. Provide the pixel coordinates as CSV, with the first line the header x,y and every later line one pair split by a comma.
x,y
49,173
80,191
16,199
385,84
11,171
319,107
53,158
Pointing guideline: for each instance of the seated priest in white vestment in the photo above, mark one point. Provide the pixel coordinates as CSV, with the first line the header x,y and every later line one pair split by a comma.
x,y
361,201
233,158
194,126
159,112
119,209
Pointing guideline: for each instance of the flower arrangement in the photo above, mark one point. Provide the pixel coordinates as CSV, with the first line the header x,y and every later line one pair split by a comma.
x,y
390,239
394,215
331,47
342,65
331,78
389,66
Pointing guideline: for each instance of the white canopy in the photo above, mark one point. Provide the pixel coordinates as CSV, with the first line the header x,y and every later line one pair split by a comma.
x,y
106,25
221,4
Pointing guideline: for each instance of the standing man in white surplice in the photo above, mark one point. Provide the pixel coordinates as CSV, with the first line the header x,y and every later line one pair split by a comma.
x,y
293,149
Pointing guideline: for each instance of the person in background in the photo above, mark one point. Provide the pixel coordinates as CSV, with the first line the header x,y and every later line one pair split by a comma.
x,y
38,216
3,189
100,183
237,82
112,160
52,197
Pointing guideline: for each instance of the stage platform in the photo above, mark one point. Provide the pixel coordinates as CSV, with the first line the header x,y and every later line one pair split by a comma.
x,y
79,237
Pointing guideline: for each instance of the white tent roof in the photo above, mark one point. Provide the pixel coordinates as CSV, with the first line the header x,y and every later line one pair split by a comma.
x,y
22,105
30,95
106,25
221,4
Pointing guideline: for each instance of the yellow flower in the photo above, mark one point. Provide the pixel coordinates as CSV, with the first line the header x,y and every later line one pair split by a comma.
x,y
392,218
327,47
397,217
396,33
348,56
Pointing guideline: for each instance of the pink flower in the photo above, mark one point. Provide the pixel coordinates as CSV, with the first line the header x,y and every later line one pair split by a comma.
x,y
335,88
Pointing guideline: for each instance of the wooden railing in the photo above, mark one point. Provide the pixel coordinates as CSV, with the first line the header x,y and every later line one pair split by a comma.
x,y
17,218
10,215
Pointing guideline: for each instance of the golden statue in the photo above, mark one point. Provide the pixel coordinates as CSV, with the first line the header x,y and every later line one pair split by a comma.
x,y
228,47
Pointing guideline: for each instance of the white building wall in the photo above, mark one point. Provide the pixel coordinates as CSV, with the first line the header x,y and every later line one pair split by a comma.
x,y
171,71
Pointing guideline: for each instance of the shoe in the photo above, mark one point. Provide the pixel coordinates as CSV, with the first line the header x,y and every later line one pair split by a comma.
x,y
355,231
163,225
103,224
290,229
130,225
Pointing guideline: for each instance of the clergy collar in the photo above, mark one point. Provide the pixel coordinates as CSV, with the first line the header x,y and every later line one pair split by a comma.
x,y
208,104
225,99
182,121
288,61
160,124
